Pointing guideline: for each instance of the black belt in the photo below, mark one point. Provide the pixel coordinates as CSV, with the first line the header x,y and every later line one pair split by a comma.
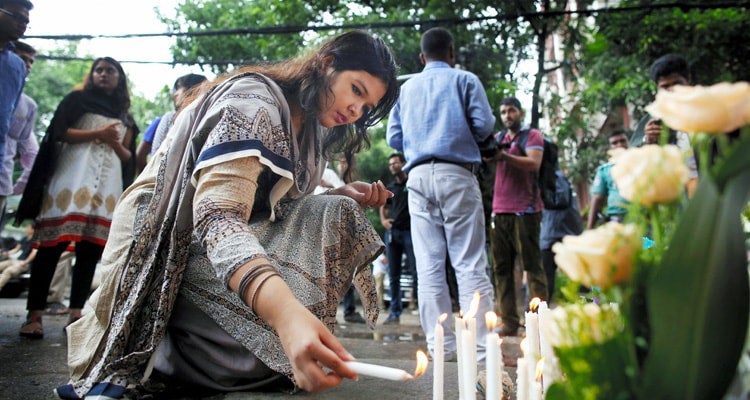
x,y
434,160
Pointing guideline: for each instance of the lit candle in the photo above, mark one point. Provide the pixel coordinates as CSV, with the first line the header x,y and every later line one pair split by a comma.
x,y
494,360
393,374
535,389
549,373
438,358
532,329
379,371
469,373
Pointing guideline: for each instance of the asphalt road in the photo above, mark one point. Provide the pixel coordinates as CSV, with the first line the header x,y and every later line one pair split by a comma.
x,y
33,368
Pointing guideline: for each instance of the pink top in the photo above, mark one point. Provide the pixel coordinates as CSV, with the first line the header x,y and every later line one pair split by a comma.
x,y
515,189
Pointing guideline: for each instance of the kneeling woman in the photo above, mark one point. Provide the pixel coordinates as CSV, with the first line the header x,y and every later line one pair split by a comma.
x,y
222,270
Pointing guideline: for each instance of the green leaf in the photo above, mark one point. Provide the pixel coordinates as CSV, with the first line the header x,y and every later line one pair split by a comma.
x,y
699,298
736,161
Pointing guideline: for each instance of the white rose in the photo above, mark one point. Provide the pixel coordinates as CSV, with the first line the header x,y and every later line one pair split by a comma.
x,y
718,109
651,174
599,257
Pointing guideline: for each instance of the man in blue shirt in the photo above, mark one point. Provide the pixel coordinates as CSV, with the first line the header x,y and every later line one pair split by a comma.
x,y
441,115
603,189
14,17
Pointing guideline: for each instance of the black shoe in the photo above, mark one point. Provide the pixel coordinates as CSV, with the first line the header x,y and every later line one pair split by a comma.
x,y
354,318
392,320
507,330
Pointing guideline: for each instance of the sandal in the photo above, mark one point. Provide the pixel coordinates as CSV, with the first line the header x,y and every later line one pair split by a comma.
x,y
32,328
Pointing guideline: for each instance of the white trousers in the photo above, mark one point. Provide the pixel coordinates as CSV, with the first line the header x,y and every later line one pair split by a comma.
x,y
447,219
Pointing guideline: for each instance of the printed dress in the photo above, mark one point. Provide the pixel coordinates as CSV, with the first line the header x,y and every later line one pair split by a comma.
x,y
82,194
231,182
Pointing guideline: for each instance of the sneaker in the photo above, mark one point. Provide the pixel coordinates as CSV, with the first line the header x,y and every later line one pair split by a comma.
x,y
392,320
56,308
354,318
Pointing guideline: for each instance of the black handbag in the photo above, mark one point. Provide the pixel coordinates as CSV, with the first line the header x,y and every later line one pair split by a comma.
x,y
44,167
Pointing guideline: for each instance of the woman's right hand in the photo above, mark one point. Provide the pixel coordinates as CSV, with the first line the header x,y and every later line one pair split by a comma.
x,y
316,355
109,134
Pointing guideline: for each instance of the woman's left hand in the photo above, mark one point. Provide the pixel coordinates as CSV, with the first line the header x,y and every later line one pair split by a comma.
x,y
366,194
318,359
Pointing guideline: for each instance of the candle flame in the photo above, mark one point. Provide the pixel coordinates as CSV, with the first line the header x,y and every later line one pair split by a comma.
x,y
442,318
534,304
539,369
422,363
473,306
490,318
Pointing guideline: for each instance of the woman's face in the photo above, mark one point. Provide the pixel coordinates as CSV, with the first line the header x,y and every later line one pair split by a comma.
x,y
351,94
105,76
177,96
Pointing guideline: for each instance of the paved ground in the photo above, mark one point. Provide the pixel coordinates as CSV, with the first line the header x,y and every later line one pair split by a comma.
x,y
31,369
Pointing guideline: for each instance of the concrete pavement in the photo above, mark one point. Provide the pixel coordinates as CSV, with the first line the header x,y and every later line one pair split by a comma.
x,y
32,368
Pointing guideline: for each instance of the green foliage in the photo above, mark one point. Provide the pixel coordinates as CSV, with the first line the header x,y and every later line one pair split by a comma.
x,y
49,81
239,49
694,338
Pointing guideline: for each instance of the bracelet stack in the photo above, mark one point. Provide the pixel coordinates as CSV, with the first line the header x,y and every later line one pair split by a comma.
x,y
251,275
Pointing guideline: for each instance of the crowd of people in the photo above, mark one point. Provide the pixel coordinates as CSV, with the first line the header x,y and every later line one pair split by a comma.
x,y
226,234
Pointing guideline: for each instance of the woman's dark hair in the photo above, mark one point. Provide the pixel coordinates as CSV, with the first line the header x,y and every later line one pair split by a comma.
x,y
121,93
302,79
188,81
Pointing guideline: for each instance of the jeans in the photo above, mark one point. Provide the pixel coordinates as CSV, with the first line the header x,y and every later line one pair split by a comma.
x,y
447,217
516,236
349,306
398,243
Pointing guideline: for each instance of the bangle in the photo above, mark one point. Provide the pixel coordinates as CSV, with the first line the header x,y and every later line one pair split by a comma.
x,y
249,276
258,286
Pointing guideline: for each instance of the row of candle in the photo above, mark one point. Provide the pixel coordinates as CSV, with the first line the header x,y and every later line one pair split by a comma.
x,y
536,369
466,345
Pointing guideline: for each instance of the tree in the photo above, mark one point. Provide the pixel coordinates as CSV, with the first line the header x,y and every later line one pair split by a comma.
x,y
619,47
60,70
602,58
50,80
236,49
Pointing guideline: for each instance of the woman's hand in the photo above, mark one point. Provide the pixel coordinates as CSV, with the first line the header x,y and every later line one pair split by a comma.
x,y
366,194
109,134
316,355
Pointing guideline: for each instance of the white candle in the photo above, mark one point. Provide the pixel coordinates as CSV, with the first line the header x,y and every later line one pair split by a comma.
x,y
532,334
470,366
522,381
550,373
494,360
438,359
379,371
535,388
459,323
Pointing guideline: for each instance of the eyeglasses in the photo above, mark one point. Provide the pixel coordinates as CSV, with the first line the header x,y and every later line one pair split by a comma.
x,y
16,17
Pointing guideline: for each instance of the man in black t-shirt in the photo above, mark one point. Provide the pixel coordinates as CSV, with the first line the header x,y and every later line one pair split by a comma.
x,y
398,236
